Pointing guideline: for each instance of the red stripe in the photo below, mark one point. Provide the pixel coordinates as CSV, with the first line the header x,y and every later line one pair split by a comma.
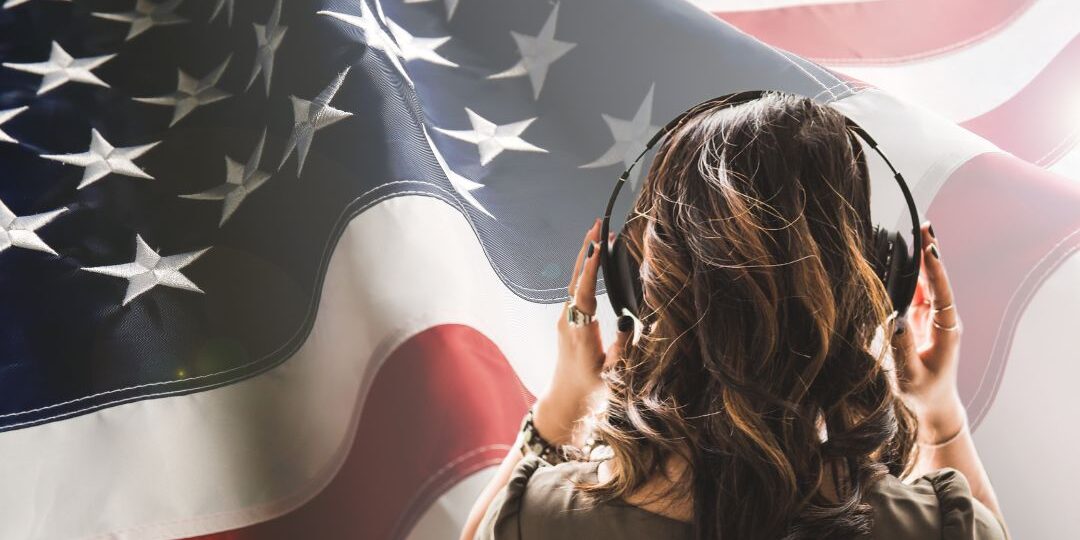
x,y
1041,123
880,31
444,405
1004,226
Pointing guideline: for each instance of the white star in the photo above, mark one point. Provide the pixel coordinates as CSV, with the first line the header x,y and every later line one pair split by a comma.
x,y
146,15
61,68
311,116
191,92
6,115
537,54
240,181
374,36
491,139
12,3
463,186
19,231
451,6
103,158
630,137
228,5
149,270
268,38
419,48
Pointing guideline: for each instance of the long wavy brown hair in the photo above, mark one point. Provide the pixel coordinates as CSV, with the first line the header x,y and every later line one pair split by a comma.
x,y
759,365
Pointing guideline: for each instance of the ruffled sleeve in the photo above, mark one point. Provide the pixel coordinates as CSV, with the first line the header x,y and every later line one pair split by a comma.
x,y
936,505
963,517
502,520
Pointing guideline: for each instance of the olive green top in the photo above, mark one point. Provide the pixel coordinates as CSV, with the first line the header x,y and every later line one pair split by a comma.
x,y
540,503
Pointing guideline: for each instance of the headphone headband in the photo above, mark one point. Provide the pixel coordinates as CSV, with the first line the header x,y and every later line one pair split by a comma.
x,y
911,274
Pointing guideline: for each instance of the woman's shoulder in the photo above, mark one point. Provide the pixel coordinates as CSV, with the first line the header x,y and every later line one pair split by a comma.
x,y
543,501
937,503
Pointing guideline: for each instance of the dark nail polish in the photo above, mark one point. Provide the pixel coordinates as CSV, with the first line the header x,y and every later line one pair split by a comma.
x,y
934,251
625,323
901,327
592,248
930,229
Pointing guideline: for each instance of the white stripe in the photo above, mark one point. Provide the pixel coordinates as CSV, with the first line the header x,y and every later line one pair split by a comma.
x,y
1025,440
237,455
760,5
973,80
445,519
925,147
1069,165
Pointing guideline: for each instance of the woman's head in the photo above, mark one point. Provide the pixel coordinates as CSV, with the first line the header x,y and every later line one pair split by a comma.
x,y
757,366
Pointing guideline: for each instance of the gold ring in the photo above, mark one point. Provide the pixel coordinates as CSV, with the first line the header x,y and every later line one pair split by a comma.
x,y
937,309
946,328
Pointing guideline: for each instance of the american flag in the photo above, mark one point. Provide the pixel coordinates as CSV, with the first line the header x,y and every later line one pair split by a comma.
x,y
291,269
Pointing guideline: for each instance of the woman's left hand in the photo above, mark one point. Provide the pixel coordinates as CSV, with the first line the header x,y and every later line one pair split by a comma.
x,y
581,352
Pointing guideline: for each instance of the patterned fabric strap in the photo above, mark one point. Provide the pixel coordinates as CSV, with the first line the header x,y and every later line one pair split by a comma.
x,y
531,442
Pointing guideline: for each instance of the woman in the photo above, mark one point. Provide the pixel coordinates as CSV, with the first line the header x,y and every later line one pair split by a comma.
x,y
759,401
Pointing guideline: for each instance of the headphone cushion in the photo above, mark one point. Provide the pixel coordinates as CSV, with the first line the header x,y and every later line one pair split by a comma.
x,y
897,282
623,282
890,259
881,250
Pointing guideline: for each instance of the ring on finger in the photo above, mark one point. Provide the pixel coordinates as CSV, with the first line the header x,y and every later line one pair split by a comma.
x,y
939,326
940,309
575,317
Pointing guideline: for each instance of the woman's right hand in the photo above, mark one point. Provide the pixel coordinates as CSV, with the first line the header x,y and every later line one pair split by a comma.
x,y
928,354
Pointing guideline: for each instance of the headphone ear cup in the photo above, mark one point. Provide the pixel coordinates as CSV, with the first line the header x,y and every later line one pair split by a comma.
x,y
898,283
622,277
890,259
881,250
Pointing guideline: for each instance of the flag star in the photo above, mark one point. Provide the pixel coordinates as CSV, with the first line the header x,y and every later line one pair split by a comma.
x,y
630,137
451,6
240,181
491,139
419,48
103,158
12,3
6,115
20,231
149,269
374,36
537,54
228,8
146,15
311,116
61,67
192,93
268,38
463,186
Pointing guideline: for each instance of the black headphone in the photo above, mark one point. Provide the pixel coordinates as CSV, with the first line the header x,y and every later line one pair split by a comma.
x,y
889,256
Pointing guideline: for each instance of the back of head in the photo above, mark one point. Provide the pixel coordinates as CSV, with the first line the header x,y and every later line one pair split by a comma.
x,y
758,365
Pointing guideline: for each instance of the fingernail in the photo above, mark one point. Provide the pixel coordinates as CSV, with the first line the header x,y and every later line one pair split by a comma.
x,y
900,327
934,251
592,248
625,323
930,228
